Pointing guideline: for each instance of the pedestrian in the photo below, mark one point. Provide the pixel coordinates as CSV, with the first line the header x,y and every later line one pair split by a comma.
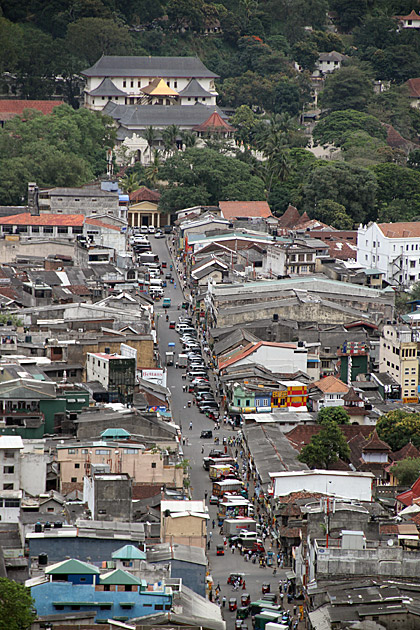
x,y
294,610
205,495
243,585
208,544
190,426
214,523
223,601
202,449
233,549
224,541
210,535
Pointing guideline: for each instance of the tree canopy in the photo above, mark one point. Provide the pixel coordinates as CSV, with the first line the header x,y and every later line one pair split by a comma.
x,y
336,127
333,414
399,427
204,176
347,88
406,471
326,447
65,148
16,606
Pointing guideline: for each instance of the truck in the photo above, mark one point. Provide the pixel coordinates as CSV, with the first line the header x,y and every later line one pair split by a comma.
x,y
220,471
169,358
182,360
228,485
233,526
234,508
265,617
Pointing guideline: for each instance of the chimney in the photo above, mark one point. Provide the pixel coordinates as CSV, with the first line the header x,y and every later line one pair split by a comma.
x,y
33,198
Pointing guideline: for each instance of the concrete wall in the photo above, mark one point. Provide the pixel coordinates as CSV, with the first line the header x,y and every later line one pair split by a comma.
x,y
184,530
337,484
384,562
58,549
33,474
10,249
193,575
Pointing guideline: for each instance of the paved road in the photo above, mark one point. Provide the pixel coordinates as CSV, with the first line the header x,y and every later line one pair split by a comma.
x,y
220,566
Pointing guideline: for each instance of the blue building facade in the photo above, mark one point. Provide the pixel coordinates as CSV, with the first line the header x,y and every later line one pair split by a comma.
x,y
73,585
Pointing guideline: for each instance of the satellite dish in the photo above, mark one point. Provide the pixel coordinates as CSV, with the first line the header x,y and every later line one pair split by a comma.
x,y
390,543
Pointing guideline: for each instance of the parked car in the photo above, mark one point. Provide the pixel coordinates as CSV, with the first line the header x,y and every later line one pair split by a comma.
x,y
206,435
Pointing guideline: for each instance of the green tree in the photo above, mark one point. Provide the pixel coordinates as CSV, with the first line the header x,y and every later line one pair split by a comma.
x,y
207,175
350,12
362,149
287,97
333,414
407,471
336,126
351,186
186,13
399,427
248,89
11,45
170,136
189,139
346,88
16,606
306,54
334,214
325,41
130,183
150,137
397,183
93,37
326,447
245,122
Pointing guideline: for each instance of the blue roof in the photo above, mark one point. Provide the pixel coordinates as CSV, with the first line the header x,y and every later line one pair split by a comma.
x,y
115,433
128,552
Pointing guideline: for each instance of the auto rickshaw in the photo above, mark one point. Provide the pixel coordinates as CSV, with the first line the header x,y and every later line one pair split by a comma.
x,y
233,577
220,550
242,612
233,604
238,624
265,588
245,599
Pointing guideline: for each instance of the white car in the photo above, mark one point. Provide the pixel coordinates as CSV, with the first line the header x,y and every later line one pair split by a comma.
x,y
152,229
159,234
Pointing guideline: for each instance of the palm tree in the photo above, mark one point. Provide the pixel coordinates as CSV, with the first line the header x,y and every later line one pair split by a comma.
x,y
130,183
152,171
170,136
150,137
189,139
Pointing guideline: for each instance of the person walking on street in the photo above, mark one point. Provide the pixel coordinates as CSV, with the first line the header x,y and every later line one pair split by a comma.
x,y
190,426
214,523
223,601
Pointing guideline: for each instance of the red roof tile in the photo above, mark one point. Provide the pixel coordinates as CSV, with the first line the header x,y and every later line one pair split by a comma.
x,y
330,384
411,16
290,218
70,220
15,107
234,209
102,224
401,230
409,450
144,194
376,444
214,123
407,497
413,87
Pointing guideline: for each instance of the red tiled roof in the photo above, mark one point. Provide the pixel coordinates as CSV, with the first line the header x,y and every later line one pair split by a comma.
x,y
253,347
301,435
290,218
409,450
386,529
413,87
407,497
304,218
79,289
408,229
233,209
102,224
376,444
214,122
8,292
342,250
411,16
70,220
351,396
330,384
144,194
15,107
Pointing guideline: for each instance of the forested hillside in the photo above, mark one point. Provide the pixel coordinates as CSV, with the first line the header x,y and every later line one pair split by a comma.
x,y
255,47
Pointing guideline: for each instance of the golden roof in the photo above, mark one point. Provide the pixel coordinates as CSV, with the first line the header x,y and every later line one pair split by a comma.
x,y
158,87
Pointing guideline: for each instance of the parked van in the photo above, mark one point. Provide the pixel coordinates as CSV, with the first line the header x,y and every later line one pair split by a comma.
x,y
156,282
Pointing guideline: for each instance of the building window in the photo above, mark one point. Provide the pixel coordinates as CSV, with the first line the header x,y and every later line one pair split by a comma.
x,y
35,229
158,606
102,451
72,451
74,480
63,230
247,403
8,470
153,464
77,465
9,455
175,84
85,451
8,486
48,229
138,84
124,83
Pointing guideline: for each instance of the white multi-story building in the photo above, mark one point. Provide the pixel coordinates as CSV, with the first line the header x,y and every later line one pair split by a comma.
x,y
10,448
398,358
151,80
393,249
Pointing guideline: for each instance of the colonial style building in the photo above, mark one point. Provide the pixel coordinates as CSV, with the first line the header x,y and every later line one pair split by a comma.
x,y
393,249
149,80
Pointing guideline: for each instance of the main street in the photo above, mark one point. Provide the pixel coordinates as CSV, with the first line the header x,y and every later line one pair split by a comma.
x,y
220,566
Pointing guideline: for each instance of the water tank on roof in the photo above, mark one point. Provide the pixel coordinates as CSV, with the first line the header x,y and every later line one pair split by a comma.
x,y
28,338
47,525
58,524
38,527
43,559
275,317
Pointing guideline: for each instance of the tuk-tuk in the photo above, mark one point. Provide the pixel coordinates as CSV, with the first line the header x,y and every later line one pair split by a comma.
x,y
242,612
164,264
220,550
184,305
164,284
172,325
238,624
233,604
265,588
245,599
234,577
